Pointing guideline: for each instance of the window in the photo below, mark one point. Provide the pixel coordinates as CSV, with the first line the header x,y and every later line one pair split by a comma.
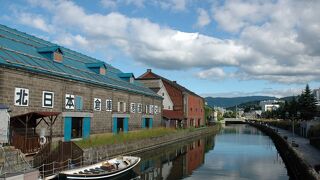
x,y
133,107
147,108
57,56
102,70
122,106
47,99
162,94
151,109
139,108
79,103
190,109
108,105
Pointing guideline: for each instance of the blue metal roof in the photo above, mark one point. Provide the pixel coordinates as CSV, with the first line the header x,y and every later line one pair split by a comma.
x,y
125,75
49,49
20,50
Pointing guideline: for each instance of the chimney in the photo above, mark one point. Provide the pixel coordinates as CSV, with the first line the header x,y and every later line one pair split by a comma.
x,y
149,70
174,82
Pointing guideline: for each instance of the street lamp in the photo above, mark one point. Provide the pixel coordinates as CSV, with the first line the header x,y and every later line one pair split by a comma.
x,y
298,116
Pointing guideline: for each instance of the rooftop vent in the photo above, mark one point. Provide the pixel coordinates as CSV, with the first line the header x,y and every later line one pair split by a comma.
x,y
99,67
51,52
129,77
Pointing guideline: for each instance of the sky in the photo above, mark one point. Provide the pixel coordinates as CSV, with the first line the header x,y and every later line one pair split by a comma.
x,y
218,48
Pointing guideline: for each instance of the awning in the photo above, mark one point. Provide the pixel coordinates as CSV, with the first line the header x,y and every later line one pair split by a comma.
x,y
30,119
170,114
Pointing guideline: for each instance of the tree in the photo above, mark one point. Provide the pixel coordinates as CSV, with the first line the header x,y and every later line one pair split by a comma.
x,y
307,104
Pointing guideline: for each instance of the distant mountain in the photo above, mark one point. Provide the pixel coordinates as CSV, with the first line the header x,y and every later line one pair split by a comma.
x,y
229,102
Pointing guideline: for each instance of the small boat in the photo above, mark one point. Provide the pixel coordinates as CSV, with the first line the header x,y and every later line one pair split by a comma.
x,y
102,170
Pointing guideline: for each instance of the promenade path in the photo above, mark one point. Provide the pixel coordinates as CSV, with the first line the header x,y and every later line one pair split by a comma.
x,y
307,151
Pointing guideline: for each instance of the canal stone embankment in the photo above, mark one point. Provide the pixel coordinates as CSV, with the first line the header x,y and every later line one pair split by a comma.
x,y
98,153
296,165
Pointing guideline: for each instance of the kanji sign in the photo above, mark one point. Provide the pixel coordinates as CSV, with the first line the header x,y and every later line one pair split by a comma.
x,y
69,103
47,99
21,97
97,104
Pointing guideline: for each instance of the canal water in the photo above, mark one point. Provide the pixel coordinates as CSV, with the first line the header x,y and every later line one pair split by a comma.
x,y
237,152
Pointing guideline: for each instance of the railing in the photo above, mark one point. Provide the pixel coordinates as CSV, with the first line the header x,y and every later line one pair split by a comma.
x,y
57,156
27,145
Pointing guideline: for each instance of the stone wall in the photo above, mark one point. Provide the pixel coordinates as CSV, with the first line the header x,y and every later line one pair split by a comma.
x,y
297,167
95,154
101,120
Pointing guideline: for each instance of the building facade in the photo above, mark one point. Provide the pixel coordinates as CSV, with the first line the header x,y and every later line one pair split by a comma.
x,y
316,93
181,107
90,95
269,105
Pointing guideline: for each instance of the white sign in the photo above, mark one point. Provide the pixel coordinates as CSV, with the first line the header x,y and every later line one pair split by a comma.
x,y
155,109
133,107
69,103
139,108
21,97
108,105
151,109
97,104
47,99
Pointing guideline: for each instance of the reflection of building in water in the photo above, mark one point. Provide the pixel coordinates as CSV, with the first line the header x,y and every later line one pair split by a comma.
x,y
175,161
195,155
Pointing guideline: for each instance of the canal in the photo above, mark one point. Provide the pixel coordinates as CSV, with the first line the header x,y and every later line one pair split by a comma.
x,y
237,152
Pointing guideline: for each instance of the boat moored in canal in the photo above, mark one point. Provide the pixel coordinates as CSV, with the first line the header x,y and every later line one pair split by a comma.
x,y
106,169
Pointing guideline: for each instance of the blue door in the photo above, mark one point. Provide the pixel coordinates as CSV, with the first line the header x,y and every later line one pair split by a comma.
x,y
86,127
67,128
143,122
114,127
150,122
126,125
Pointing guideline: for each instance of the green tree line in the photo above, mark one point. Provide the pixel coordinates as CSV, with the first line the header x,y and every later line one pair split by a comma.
x,y
300,107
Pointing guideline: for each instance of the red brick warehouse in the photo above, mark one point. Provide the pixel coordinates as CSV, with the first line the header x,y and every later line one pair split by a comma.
x,y
181,107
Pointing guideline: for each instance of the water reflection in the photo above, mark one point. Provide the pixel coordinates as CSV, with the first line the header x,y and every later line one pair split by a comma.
x,y
237,152
175,161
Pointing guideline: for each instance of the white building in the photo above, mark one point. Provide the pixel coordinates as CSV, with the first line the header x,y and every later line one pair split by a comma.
x,y
316,93
269,105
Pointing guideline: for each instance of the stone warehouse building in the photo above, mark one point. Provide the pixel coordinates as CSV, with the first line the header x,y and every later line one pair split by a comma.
x,y
89,96
181,107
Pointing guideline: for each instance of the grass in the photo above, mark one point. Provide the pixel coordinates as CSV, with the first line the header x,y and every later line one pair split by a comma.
x,y
109,138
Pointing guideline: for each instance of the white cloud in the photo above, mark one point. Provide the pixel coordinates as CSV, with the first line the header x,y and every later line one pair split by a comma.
x,y
34,21
109,3
174,5
137,3
282,46
213,73
236,14
203,18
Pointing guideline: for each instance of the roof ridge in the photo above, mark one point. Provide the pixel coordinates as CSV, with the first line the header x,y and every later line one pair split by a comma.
x,y
173,84
8,49
45,42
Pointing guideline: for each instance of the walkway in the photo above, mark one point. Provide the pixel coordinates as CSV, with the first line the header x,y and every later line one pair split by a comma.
x,y
307,152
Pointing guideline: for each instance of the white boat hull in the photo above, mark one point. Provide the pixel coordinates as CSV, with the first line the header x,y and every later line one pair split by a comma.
x,y
76,173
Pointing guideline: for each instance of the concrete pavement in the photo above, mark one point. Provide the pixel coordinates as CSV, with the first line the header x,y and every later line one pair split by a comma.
x,y
309,153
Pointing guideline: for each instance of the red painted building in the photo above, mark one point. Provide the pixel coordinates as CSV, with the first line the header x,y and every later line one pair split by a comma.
x,y
181,107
